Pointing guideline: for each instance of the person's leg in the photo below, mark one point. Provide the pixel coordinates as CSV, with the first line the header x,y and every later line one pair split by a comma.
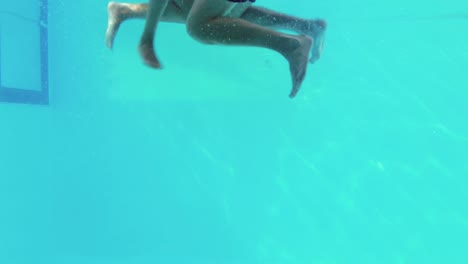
x,y
119,12
177,11
206,24
310,27
146,46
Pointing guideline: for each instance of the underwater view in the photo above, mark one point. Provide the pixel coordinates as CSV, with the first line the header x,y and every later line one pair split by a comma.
x,y
224,145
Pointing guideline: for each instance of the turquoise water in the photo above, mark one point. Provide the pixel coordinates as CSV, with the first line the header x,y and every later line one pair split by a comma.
x,y
209,161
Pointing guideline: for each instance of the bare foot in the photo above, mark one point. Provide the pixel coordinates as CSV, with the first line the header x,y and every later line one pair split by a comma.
x,y
148,55
298,62
115,13
317,32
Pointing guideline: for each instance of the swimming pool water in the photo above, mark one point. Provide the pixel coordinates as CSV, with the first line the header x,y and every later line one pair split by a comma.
x,y
209,161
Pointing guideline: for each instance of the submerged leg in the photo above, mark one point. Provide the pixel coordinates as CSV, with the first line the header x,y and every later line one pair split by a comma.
x,y
269,18
206,24
119,12
146,47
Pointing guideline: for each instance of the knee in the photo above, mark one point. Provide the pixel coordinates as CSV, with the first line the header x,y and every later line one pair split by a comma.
x,y
199,30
